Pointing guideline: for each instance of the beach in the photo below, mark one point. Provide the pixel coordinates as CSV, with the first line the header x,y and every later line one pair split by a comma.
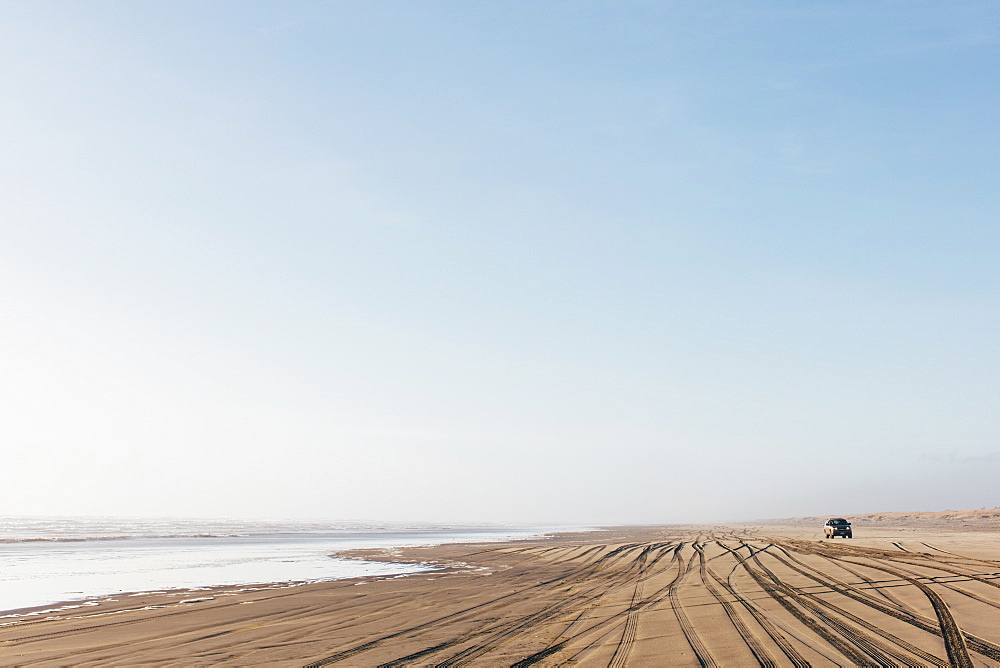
x,y
906,592
439,333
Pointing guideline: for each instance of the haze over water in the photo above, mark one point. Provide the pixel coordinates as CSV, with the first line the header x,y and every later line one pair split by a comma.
x,y
47,561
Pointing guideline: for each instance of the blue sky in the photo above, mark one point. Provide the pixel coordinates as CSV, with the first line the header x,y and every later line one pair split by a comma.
x,y
565,261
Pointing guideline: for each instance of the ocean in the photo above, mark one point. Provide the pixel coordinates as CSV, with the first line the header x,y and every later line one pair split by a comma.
x,y
47,561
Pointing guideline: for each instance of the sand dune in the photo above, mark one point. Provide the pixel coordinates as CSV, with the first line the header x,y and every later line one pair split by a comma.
x,y
985,517
744,595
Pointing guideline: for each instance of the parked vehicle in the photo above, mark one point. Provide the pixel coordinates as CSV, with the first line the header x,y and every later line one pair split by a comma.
x,y
837,526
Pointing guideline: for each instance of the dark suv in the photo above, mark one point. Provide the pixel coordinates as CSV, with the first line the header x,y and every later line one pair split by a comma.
x,y
837,527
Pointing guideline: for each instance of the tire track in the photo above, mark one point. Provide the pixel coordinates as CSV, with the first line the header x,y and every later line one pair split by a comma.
x,y
503,631
785,596
508,631
873,584
837,585
950,586
461,614
945,569
656,597
94,627
697,646
776,636
764,658
878,653
631,622
954,637
957,642
991,562
663,551
766,618
564,639
884,654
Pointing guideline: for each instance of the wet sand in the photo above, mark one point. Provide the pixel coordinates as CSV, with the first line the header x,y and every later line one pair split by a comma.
x,y
900,593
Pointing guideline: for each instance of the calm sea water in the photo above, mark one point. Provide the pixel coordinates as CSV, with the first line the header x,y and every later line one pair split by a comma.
x,y
45,561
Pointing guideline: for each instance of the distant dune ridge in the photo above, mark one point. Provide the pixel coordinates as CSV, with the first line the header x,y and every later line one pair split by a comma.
x,y
983,516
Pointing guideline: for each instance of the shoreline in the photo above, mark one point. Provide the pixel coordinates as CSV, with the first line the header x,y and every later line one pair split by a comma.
x,y
38,575
377,555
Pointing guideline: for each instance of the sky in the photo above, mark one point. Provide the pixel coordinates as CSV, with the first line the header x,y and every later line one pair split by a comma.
x,y
534,262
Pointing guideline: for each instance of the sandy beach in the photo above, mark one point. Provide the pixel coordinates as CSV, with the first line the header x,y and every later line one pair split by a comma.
x,y
904,591
377,333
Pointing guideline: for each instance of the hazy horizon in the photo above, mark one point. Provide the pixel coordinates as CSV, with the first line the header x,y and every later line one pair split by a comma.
x,y
565,262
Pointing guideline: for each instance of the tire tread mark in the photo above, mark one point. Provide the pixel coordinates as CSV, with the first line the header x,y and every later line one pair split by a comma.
x,y
656,597
504,630
955,639
632,618
763,657
364,647
700,651
785,597
779,639
913,649
883,654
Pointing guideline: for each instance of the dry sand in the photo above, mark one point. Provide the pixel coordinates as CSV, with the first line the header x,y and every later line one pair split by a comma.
x,y
919,591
